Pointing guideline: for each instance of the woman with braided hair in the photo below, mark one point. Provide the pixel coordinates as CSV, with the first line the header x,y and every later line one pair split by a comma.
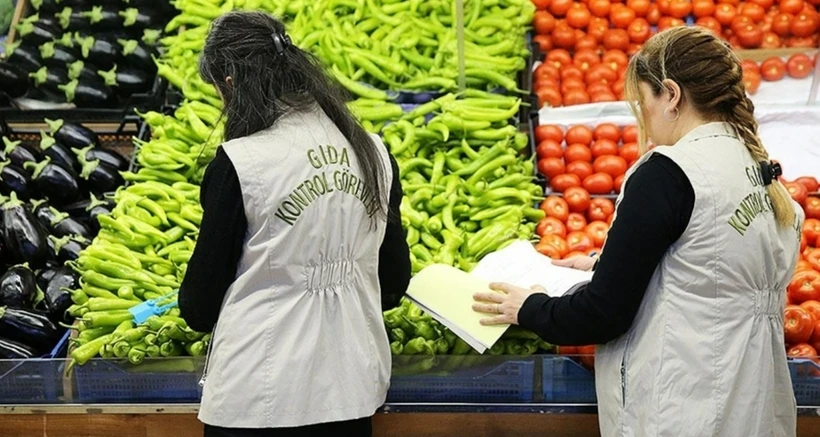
x,y
686,302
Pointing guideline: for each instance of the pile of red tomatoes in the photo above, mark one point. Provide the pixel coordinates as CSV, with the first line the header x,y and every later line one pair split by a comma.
x,y
798,66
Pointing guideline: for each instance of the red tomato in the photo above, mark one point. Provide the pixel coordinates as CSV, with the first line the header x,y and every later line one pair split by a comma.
x,y
549,97
578,16
771,40
616,39
669,22
815,335
549,132
797,191
791,6
577,198
751,81
579,134
802,351
782,24
543,22
611,165
557,242
548,250
559,8
576,97
579,241
547,69
813,258
639,31
551,225
616,59
621,16
597,28
773,69
577,152
750,36
544,42
680,8
811,229
725,13
563,36
597,231
580,168
619,181
802,265
703,8
800,66
603,96
812,207
604,147
802,42
586,42
559,58
555,206
753,11
739,22
597,88
629,151
601,74
804,286
541,4
600,209
600,8
562,182
551,167
576,222
549,149
607,131
630,134
599,183
710,23
654,14
804,24
797,324
813,308
587,356
765,4
586,59
567,350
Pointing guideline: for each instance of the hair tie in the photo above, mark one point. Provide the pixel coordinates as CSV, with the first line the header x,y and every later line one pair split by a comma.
x,y
280,42
770,171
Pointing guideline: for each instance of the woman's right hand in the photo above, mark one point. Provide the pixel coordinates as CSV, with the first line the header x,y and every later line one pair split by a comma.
x,y
585,263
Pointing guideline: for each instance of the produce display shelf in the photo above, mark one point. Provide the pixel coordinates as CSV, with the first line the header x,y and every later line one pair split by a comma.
x,y
805,375
34,381
565,381
172,380
510,381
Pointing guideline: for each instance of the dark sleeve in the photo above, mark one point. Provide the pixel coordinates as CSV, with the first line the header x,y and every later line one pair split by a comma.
x,y
394,254
223,232
652,215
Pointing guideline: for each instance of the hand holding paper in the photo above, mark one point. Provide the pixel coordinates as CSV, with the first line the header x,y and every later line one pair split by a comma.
x,y
503,306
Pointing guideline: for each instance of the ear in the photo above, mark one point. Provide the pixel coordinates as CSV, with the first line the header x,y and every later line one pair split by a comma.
x,y
673,92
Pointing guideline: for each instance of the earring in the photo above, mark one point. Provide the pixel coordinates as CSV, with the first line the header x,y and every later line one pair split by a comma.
x,y
668,110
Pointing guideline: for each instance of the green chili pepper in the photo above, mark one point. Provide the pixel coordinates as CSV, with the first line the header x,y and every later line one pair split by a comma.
x,y
419,346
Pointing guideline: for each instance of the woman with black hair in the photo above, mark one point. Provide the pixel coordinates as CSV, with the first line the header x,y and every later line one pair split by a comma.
x,y
301,246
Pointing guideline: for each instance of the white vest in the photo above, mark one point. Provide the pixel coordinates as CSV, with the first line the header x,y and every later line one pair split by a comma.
x,y
705,355
300,338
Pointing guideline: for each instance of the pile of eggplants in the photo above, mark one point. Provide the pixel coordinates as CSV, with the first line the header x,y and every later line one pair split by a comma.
x,y
50,198
93,54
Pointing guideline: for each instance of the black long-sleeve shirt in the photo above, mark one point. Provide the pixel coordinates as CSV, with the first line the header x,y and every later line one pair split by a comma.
x,y
213,265
652,215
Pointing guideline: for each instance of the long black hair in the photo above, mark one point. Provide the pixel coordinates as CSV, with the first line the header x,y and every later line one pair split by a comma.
x,y
266,82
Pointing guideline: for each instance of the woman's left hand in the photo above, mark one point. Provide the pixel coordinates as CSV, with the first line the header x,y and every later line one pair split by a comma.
x,y
504,305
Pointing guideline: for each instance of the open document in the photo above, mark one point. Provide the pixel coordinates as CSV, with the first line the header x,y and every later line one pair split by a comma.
x,y
446,293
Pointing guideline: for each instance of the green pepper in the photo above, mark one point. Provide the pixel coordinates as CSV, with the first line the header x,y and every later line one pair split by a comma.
x,y
397,334
195,349
422,329
396,348
106,318
170,349
101,304
419,346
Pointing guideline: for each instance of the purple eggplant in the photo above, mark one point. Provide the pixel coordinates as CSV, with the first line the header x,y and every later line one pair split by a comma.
x,y
139,19
89,94
56,298
108,157
18,153
72,20
57,56
126,81
87,211
44,275
28,327
25,56
67,248
12,350
14,179
55,182
101,52
72,135
18,287
50,81
43,212
138,55
33,31
58,153
24,238
64,225
13,80
46,5
98,177
104,18
82,70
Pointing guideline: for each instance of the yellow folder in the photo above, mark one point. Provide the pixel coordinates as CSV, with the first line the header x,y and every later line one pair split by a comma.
x,y
446,293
